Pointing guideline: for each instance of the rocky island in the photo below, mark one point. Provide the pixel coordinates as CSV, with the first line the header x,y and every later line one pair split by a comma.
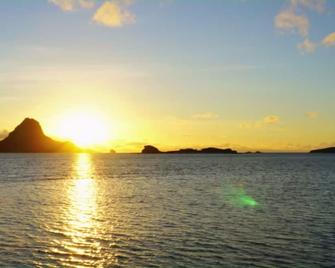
x,y
329,150
149,149
28,137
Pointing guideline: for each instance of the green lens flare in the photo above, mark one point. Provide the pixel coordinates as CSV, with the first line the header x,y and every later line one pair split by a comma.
x,y
248,201
237,197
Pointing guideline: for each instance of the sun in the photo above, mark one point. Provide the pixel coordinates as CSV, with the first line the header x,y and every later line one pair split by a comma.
x,y
84,129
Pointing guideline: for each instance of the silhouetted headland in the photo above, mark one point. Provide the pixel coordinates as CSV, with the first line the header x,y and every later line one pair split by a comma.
x,y
28,137
330,150
149,149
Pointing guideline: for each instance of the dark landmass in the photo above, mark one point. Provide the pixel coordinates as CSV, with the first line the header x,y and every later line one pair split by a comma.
x,y
111,151
28,137
149,149
330,150
257,152
183,151
212,150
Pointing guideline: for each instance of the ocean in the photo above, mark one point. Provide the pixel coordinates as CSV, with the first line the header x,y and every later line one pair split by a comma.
x,y
132,210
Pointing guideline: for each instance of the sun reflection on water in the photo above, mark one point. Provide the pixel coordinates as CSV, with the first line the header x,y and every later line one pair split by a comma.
x,y
83,194
81,223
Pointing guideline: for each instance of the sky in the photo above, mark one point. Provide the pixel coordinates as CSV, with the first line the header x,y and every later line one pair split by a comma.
x,y
245,74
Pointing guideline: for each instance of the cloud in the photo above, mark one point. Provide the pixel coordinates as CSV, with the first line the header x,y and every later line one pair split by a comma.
x,y
206,116
317,5
307,46
111,13
271,119
114,14
266,121
69,5
291,20
329,40
312,115
288,20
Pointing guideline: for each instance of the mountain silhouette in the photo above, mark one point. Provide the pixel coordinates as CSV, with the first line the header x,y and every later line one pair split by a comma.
x,y
28,137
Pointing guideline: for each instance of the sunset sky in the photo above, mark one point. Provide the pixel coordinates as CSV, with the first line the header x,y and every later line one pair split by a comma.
x,y
245,74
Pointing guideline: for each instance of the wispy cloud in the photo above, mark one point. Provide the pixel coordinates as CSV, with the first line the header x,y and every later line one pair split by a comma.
x,y
206,116
329,40
293,20
311,115
316,5
266,121
114,14
271,119
289,21
307,46
69,5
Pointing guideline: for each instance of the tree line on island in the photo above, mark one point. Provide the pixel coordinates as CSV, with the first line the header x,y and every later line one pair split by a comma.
x,y
28,137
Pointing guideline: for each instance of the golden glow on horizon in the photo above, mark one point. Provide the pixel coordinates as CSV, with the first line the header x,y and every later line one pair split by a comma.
x,y
85,129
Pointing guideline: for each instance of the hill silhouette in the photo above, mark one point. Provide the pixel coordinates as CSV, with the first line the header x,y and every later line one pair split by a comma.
x,y
28,137
149,149
330,150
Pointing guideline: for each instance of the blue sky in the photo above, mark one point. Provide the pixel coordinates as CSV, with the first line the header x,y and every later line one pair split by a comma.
x,y
229,63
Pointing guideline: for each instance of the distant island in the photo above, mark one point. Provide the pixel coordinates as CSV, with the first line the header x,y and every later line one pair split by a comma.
x,y
28,137
149,149
329,150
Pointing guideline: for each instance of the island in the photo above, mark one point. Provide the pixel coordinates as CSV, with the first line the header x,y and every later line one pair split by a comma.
x,y
329,150
28,137
149,149
249,152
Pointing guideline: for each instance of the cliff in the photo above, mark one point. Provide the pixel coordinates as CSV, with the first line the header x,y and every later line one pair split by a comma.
x,y
28,137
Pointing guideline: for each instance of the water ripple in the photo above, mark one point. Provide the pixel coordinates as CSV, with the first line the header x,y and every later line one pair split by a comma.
x,y
82,210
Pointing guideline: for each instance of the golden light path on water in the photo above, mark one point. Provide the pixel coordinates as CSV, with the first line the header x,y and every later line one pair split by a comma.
x,y
83,194
81,223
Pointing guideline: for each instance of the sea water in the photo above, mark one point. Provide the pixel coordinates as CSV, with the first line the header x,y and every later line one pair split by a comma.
x,y
131,210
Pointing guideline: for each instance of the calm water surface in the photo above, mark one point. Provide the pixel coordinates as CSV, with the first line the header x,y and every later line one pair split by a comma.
x,y
80,210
